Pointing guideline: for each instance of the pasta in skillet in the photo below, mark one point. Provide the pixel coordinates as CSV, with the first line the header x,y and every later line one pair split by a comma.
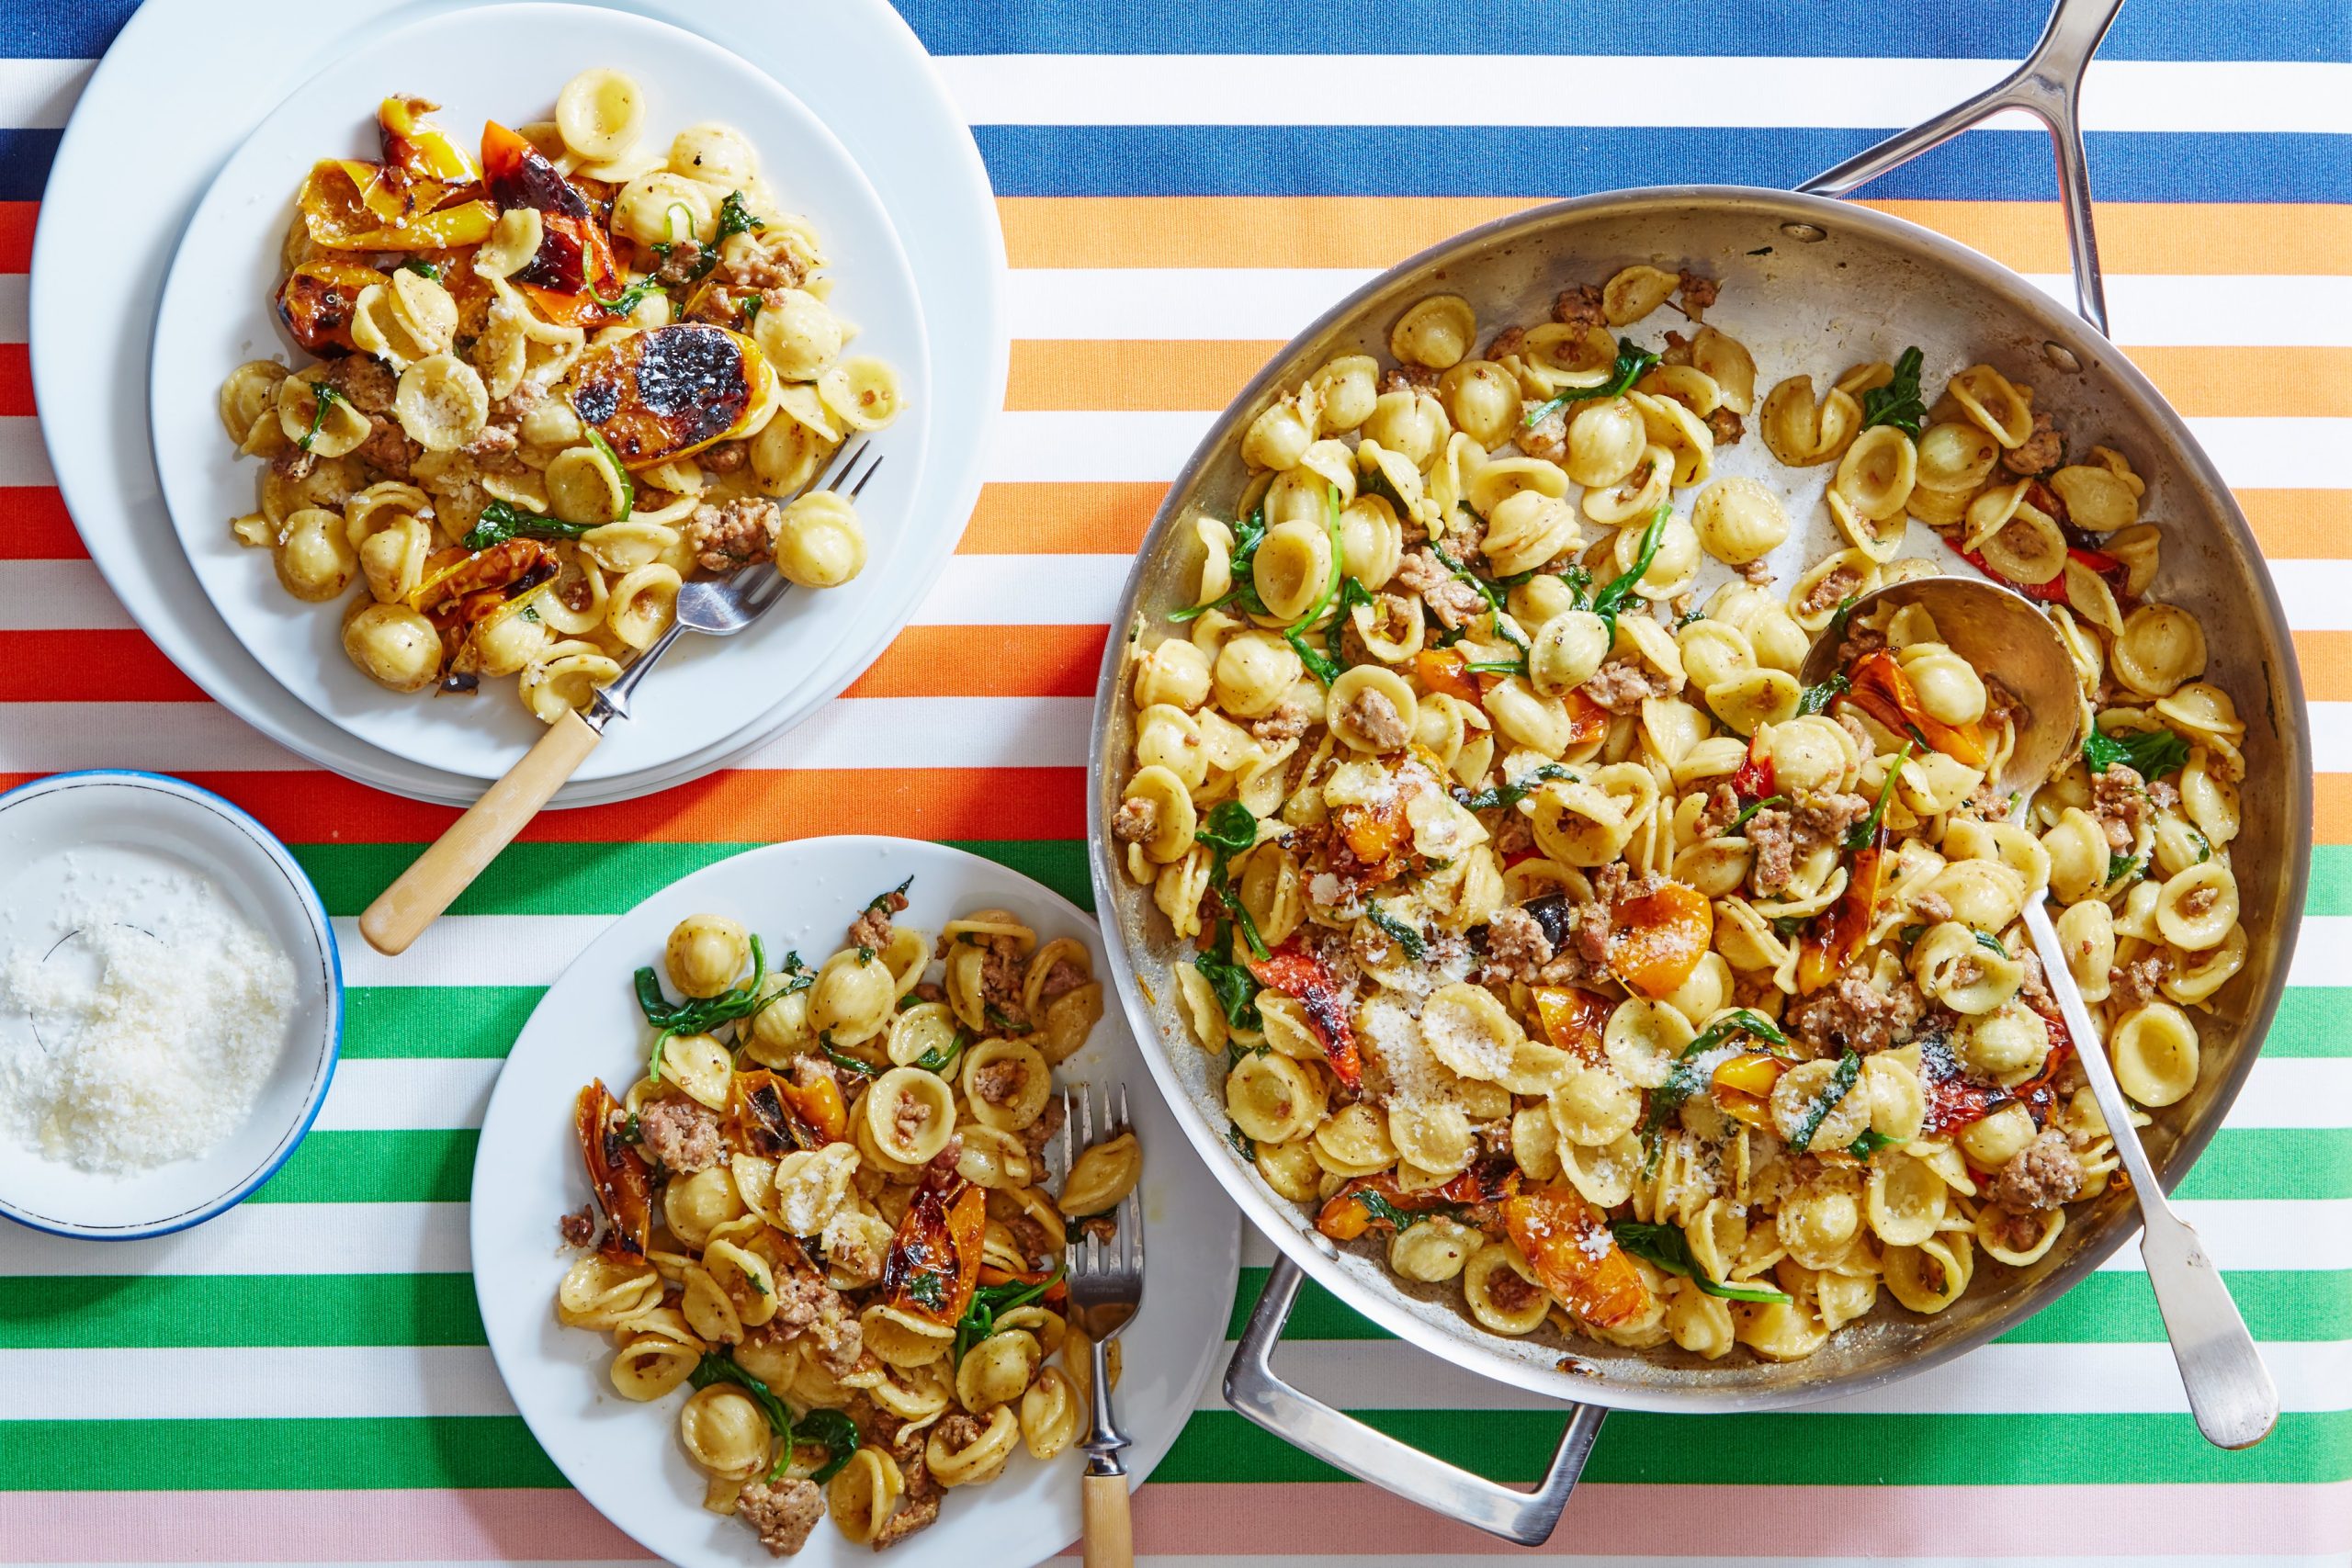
x,y
546,390
1555,937
835,1228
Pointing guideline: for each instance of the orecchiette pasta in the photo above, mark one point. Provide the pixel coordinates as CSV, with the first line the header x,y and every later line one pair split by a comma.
x,y
1704,990
585,393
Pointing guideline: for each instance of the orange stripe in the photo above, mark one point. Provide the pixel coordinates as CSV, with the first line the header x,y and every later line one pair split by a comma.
x,y
735,807
2300,524
1061,519
89,667
987,661
1115,375
1377,231
2332,808
34,526
2325,659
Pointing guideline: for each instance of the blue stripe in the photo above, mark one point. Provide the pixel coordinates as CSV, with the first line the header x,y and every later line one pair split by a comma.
x,y
62,29
1983,29
1548,162
25,158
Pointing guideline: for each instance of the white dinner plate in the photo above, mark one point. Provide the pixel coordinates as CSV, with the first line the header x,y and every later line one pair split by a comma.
x,y
64,834
90,368
507,63
624,1457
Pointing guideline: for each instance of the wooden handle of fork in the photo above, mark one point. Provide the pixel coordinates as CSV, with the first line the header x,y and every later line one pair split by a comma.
x,y
402,912
1109,1536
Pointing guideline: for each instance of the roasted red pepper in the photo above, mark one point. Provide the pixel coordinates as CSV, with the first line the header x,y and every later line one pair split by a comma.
x,y
1881,690
318,298
1838,932
1300,975
1445,670
765,1117
1655,938
934,1261
1754,780
1567,1242
575,257
1573,1019
616,1173
1369,1202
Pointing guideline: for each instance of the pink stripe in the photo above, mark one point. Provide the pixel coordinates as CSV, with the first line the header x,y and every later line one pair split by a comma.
x,y
1330,1519
1801,1522
516,1526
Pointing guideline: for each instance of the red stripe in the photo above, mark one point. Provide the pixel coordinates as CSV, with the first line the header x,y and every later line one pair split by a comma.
x,y
34,526
89,667
735,807
987,661
17,218
15,379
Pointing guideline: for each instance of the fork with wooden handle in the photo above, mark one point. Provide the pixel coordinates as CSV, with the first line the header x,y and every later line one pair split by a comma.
x,y
1105,1293
715,607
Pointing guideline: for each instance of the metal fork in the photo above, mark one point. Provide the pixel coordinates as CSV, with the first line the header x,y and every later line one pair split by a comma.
x,y
712,606
1105,1293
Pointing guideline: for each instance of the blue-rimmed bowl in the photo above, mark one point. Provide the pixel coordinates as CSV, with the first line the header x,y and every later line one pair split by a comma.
x,y
112,820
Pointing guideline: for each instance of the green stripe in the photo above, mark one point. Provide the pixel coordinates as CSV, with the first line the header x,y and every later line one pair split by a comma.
x,y
606,879
2331,891
1796,1450
435,1166
381,1022
2106,1309
2313,1020
1508,1445
169,1312
310,1455
408,1167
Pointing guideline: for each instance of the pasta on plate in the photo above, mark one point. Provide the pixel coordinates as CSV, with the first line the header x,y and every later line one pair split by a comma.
x,y
547,389
834,1231
1554,939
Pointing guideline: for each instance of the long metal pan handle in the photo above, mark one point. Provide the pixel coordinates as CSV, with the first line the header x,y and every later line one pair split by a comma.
x,y
1308,1424
2049,86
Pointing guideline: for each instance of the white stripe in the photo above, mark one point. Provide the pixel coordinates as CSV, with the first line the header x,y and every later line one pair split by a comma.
x,y
165,737
2323,949
2238,1232
23,459
2316,595
247,1382
1544,89
1025,590
408,1092
935,732
473,950
2284,1093
1260,303
37,94
16,309
267,1238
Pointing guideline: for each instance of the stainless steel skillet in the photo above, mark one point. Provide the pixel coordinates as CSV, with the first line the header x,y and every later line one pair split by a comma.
x,y
1809,284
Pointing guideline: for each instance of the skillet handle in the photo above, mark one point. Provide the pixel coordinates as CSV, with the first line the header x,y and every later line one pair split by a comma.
x,y
2049,86
1308,1425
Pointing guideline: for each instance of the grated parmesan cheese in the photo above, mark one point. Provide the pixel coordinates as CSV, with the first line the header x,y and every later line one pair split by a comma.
x,y
146,1016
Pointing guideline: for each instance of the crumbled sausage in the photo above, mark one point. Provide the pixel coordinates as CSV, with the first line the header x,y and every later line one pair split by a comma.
x,y
1375,718
1771,841
871,928
365,383
1135,821
1676,350
1001,973
1852,1014
757,267
1715,815
1000,1082
1409,378
911,1117
1580,307
388,449
782,1514
1547,438
1824,595
1454,602
1061,978
495,441
2135,984
2043,1175
1040,1133
1508,342
1758,571
1513,833
680,1134
1825,816
2199,899
1931,906
1623,684
1287,720
1698,292
1516,943
733,534
1512,1291
2034,988
2119,801
2040,452
806,1307
726,457
1726,426
678,268
578,1228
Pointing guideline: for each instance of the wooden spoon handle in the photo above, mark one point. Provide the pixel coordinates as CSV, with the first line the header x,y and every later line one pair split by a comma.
x,y
402,912
1110,1538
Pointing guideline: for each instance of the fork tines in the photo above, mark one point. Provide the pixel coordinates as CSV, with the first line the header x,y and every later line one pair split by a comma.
x,y
1125,1249
838,474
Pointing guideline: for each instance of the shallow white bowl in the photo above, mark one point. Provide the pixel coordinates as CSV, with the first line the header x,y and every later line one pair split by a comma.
x,y
624,1457
506,62
123,816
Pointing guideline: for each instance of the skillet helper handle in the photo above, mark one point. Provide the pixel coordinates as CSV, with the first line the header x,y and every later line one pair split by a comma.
x,y
2049,86
402,912
1308,1425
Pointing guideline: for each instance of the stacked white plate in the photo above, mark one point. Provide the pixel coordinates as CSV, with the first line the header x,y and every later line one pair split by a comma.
x,y
852,68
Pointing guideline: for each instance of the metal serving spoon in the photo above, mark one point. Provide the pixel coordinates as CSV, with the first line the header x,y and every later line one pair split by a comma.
x,y
2005,636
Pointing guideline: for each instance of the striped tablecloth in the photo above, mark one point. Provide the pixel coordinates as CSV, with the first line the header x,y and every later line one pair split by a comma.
x,y
1181,188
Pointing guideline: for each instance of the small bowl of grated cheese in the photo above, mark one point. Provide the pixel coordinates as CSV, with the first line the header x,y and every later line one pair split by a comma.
x,y
171,1005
